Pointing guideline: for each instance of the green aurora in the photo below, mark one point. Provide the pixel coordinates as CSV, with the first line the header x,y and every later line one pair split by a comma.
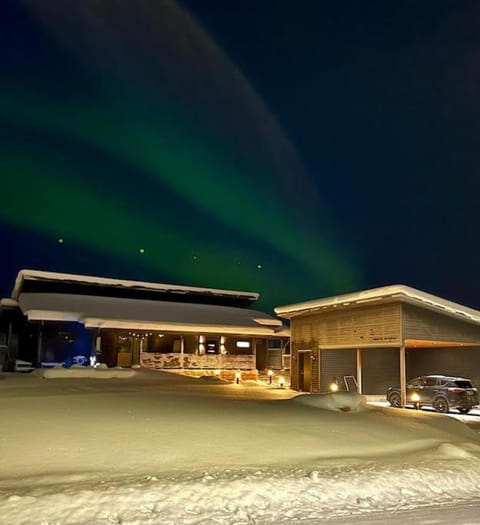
x,y
227,203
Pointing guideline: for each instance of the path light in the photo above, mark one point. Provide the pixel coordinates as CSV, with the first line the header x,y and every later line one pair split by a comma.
x,y
237,377
217,373
333,387
270,376
281,382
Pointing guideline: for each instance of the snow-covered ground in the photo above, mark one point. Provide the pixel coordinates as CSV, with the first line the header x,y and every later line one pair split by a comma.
x,y
158,448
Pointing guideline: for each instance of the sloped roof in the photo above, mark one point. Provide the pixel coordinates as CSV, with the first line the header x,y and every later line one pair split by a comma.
x,y
114,312
392,293
109,282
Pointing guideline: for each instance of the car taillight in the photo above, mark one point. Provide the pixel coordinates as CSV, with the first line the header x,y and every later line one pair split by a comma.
x,y
455,389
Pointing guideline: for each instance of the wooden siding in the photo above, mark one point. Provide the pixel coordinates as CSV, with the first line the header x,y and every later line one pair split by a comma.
x,y
334,365
419,323
350,327
463,362
380,369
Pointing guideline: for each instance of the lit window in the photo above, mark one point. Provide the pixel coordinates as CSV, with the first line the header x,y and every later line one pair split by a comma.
x,y
243,344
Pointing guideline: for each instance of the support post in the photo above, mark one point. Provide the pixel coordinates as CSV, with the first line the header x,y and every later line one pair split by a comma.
x,y
182,351
403,378
359,370
39,344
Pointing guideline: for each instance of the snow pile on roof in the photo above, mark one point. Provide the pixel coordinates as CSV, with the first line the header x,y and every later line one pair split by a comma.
x,y
106,281
83,372
6,302
161,448
116,312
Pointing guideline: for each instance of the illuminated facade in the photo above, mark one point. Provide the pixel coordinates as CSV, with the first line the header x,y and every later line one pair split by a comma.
x,y
65,319
372,339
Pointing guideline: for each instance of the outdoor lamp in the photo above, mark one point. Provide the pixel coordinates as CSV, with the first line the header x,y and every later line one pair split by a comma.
x,y
237,377
281,382
270,376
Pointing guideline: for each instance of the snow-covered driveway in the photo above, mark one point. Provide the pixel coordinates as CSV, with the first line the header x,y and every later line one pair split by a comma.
x,y
163,449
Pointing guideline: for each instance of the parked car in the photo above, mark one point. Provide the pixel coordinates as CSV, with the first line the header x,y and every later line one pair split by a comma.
x,y
440,392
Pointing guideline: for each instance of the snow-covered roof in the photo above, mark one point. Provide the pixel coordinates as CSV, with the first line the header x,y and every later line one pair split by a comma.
x,y
114,312
106,281
392,293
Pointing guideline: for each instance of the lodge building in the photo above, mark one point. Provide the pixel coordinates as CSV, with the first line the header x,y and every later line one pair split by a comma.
x,y
61,319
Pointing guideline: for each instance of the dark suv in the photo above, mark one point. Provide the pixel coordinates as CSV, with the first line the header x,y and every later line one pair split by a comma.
x,y
440,392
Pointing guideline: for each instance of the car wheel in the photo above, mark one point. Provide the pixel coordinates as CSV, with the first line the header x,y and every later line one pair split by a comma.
x,y
464,410
395,400
441,405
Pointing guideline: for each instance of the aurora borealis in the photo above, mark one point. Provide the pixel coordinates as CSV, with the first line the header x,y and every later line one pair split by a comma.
x,y
134,132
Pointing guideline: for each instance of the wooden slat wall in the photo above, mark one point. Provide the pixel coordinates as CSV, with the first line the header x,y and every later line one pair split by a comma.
x,y
334,364
463,362
366,325
380,369
352,326
419,323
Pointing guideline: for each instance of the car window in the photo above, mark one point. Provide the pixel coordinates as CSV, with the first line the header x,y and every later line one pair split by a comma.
x,y
463,384
431,381
415,382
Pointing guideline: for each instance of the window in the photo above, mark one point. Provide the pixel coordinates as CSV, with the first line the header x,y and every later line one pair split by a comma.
x,y
415,382
242,344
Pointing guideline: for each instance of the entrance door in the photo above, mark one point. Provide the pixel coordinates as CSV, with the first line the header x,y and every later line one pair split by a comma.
x,y
304,371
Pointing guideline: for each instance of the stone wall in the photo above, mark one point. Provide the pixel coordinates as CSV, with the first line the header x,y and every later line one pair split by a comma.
x,y
224,362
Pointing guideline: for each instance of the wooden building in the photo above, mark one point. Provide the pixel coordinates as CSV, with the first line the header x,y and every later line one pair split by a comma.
x,y
372,339
60,319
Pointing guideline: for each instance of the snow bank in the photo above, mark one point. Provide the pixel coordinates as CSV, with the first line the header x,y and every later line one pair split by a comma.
x,y
162,448
83,372
336,401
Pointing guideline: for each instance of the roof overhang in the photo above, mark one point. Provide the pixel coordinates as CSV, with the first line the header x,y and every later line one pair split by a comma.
x,y
383,295
119,313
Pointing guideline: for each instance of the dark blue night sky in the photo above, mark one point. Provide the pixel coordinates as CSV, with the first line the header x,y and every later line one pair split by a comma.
x,y
300,149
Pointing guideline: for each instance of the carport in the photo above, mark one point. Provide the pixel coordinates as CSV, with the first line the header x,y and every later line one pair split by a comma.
x,y
376,338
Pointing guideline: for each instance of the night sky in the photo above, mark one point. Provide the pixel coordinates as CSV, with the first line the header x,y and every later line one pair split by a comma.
x,y
300,149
